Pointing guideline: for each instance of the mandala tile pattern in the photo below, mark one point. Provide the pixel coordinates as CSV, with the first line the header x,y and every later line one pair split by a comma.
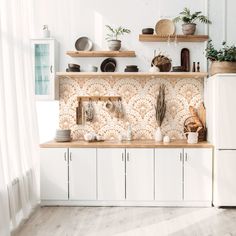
x,y
138,100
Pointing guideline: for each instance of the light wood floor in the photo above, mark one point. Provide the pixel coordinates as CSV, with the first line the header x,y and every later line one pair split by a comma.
x,y
130,221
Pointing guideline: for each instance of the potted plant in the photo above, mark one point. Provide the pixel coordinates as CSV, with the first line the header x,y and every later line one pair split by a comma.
x,y
189,26
222,60
114,44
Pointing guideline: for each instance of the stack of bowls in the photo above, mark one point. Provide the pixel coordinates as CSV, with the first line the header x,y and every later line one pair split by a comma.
x,y
63,135
73,68
131,68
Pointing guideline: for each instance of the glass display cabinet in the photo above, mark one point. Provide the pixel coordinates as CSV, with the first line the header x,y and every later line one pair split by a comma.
x,y
45,67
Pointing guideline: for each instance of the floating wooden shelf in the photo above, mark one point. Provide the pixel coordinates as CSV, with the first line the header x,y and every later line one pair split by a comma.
x,y
172,38
101,53
197,75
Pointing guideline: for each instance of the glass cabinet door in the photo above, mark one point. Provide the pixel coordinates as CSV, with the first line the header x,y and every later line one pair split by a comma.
x,y
42,68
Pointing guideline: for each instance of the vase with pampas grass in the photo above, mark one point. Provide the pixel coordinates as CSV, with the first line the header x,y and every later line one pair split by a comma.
x,y
160,112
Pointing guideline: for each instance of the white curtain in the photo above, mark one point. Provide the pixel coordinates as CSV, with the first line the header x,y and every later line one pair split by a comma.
x,y
18,125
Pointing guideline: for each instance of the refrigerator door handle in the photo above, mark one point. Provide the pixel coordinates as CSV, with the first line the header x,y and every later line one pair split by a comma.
x,y
226,149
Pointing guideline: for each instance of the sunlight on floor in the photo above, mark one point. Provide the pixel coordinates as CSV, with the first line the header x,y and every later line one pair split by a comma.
x,y
172,225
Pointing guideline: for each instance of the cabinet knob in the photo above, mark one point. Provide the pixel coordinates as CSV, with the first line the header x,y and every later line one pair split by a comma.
x,y
51,68
65,156
70,156
186,157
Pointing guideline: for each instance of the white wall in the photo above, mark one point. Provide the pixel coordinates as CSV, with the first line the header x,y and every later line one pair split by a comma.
x,y
71,19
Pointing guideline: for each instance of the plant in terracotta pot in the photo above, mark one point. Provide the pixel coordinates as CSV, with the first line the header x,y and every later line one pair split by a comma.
x,y
189,19
114,44
222,60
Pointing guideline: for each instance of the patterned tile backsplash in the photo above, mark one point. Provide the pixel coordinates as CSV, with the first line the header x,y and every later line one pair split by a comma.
x,y
138,100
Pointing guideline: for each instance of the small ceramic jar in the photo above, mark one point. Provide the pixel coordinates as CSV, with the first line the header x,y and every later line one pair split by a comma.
x,y
166,139
192,137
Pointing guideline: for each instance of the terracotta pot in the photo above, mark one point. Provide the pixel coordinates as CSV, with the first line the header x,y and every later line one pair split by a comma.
x,y
114,45
219,67
189,29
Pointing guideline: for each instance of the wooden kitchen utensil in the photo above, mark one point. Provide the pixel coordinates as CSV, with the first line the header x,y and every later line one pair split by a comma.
x,y
202,114
79,113
195,116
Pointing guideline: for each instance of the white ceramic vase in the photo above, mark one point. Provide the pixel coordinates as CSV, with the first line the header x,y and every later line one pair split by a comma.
x,y
158,135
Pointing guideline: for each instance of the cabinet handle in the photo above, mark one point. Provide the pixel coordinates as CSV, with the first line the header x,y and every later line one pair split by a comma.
x,y
186,157
51,69
65,156
70,156
180,157
127,156
122,156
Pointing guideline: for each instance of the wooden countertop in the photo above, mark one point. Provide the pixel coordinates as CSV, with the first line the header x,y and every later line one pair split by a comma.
x,y
125,144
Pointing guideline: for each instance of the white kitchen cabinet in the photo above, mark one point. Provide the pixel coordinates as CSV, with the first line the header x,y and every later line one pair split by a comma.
x,y
44,67
82,173
54,173
198,174
139,174
183,174
169,174
111,173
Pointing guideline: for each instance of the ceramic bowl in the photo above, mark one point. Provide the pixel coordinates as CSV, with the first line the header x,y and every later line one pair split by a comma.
x,y
108,68
73,66
147,31
83,44
92,68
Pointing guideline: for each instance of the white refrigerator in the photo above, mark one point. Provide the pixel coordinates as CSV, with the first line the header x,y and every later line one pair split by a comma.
x,y
221,122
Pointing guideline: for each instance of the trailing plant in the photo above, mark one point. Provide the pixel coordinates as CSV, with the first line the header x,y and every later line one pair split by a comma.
x,y
226,53
116,32
188,18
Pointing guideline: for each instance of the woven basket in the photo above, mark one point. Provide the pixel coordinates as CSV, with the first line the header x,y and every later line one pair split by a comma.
x,y
190,126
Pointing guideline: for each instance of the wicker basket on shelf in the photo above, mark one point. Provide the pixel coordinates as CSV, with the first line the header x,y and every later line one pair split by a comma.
x,y
191,126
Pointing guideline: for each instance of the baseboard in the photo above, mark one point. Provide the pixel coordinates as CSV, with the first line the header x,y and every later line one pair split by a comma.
x,y
128,203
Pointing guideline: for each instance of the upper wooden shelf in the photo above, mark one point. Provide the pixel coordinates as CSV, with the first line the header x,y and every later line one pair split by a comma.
x,y
172,38
101,53
197,75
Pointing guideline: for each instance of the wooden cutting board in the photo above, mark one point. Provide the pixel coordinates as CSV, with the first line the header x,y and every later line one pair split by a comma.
x,y
202,114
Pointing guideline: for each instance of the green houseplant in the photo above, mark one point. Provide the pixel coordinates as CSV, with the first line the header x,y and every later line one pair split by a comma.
x,y
114,44
189,19
223,60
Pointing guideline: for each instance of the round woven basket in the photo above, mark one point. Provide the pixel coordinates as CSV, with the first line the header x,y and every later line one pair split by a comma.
x,y
189,126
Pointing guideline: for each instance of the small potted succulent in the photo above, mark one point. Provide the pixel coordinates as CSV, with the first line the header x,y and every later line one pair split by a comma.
x,y
114,44
222,60
188,19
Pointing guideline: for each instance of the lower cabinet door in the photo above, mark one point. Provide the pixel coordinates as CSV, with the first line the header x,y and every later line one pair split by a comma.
x,y
139,174
198,174
111,173
82,173
53,174
169,174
